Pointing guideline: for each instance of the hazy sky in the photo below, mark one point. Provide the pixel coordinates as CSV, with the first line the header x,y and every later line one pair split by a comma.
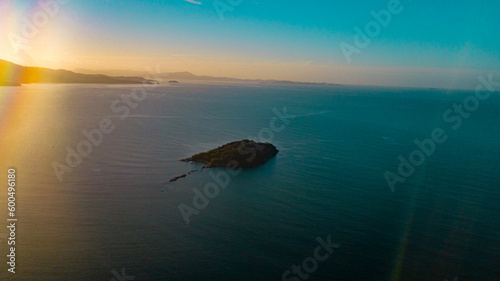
x,y
424,43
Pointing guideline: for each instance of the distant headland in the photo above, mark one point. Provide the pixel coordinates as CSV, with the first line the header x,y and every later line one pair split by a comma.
x,y
188,76
5,83
12,74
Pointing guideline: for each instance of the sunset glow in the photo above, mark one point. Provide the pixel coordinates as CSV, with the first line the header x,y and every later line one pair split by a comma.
x,y
299,42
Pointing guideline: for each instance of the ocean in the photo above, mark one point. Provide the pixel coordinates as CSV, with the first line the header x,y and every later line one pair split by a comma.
x,y
93,201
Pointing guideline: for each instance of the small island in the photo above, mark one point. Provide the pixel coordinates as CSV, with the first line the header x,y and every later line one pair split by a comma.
x,y
247,153
173,82
233,155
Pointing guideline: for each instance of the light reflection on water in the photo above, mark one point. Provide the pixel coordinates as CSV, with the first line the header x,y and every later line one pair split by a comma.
x,y
115,211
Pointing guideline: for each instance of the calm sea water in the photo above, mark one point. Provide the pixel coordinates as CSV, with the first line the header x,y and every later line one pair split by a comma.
x,y
115,210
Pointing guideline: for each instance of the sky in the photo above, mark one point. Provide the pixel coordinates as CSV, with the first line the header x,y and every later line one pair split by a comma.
x,y
419,43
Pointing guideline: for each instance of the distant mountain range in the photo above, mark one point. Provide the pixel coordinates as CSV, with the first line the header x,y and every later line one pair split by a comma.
x,y
188,76
12,74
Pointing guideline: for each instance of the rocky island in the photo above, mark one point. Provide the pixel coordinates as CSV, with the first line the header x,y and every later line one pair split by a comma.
x,y
233,155
246,153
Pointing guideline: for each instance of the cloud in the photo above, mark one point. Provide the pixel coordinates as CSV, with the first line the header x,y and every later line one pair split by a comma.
x,y
194,2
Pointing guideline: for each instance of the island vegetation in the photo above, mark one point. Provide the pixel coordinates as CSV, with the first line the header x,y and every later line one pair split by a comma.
x,y
246,153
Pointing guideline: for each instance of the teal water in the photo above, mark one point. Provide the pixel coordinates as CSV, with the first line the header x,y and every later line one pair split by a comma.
x,y
115,210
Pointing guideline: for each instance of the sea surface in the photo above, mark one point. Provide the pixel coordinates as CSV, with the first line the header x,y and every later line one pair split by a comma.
x,y
116,216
